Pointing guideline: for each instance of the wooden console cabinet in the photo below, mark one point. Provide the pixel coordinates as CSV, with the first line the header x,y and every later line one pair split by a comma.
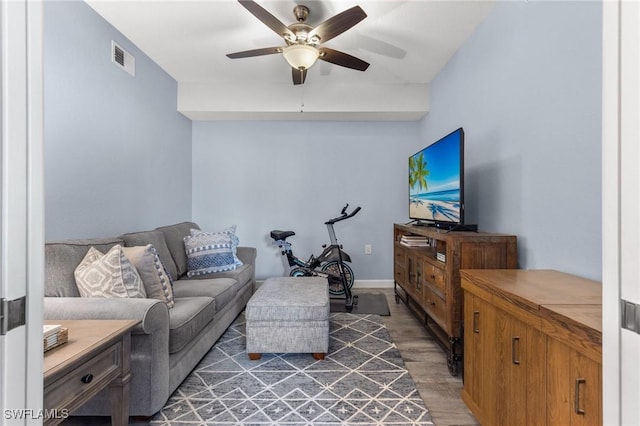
x,y
533,347
431,287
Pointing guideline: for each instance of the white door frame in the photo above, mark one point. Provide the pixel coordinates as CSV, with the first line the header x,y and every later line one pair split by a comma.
x,y
620,209
22,208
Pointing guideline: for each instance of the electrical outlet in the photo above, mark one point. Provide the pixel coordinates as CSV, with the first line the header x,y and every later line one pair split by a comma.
x,y
367,249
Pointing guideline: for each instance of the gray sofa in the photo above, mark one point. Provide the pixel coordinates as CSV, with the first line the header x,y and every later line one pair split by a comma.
x,y
168,343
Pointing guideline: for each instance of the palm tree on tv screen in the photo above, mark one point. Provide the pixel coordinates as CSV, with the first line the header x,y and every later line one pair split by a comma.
x,y
418,172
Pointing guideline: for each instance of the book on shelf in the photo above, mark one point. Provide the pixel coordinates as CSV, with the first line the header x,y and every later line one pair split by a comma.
x,y
415,241
441,256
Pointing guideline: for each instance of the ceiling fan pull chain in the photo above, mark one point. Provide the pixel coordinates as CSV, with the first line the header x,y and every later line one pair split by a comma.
x,y
301,96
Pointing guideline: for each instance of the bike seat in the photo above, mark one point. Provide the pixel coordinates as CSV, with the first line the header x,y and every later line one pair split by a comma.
x,y
281,235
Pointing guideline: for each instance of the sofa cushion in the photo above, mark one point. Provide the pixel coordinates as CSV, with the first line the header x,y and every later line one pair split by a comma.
x,y
61,260
241,274
187,318
208,253
174,236
223,290
156,239
108,275
157,283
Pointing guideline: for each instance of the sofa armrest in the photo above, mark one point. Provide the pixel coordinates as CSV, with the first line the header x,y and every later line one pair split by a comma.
x,y
153,314
149,387
247,255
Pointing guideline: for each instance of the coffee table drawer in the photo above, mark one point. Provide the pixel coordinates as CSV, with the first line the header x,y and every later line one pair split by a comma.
x,y
87,379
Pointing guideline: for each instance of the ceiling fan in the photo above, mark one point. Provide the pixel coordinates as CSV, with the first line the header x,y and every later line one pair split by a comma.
x,y
303,42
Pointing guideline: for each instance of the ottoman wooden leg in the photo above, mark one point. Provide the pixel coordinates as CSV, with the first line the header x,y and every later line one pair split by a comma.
x,y
319,355
254,356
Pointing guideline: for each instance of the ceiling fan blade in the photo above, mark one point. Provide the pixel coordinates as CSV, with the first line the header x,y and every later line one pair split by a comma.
x,y
299,76
267,18
338,24
342,59
255,52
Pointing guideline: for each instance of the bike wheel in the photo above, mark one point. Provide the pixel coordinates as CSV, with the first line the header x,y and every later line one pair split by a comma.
x,y
335,285
299,272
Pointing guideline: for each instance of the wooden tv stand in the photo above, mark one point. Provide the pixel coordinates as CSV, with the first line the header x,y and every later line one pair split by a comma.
x,y
431,287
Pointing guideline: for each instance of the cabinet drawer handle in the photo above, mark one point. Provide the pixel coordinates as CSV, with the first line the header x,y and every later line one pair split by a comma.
x,y
576,401
87,378
476,316
515,342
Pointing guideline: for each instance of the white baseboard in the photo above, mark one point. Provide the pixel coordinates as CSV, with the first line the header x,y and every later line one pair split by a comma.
x,y
358,283
373,284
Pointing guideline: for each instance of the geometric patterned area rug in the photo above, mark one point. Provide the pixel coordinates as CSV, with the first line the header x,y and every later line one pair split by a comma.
x,y
361,381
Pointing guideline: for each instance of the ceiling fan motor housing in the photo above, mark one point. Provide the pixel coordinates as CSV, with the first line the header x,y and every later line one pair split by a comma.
x,y
301,32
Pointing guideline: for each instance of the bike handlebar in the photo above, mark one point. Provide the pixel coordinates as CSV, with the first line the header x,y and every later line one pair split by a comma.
x,y
344,215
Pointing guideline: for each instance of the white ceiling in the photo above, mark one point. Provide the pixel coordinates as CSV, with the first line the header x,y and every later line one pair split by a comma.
x,y
406,42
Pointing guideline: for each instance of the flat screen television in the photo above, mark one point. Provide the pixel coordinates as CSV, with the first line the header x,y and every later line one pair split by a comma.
x,y
436,183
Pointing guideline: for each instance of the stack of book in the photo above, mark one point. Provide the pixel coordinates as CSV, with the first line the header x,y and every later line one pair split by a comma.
x,y
441,256
54,335
415,241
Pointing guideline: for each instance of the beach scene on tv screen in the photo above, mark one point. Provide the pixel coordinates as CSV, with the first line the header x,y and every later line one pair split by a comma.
x,y
434,181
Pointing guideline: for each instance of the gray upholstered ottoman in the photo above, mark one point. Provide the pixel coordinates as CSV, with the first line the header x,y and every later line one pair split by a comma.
x,y
289,315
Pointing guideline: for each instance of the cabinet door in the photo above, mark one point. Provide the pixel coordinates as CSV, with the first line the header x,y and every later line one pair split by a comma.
x,y
520,372
479,358
573,386
414,276
399,265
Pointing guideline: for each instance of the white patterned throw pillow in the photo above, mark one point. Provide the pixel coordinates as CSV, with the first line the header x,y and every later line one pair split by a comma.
x,y
108,275
156,281
209,252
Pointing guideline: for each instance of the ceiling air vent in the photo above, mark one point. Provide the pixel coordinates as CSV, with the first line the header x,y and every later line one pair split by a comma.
x,y
122,58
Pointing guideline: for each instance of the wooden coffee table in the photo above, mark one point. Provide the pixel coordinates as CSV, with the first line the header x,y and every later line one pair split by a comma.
x,y
96,356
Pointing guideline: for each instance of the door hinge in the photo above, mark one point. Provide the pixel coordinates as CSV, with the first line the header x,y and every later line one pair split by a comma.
x,y
630,313
12,314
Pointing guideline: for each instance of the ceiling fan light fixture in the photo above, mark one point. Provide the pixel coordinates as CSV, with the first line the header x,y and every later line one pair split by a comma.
x,y
301,56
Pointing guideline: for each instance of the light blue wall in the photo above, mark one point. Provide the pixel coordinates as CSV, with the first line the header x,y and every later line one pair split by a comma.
x,y
527,89
295,176
117,154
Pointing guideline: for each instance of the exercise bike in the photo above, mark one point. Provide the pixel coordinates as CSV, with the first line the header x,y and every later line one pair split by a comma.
x,y
331,263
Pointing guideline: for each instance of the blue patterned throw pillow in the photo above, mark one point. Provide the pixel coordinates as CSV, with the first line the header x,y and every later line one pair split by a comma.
x,y
231,232
208,253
